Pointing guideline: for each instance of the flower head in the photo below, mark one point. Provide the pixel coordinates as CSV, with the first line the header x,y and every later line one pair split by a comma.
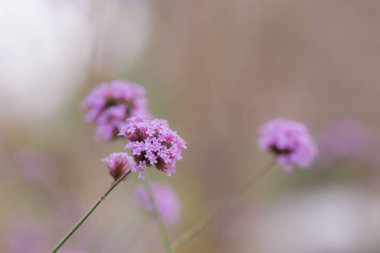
x,y
290,141
109,105
118,164
152,142
166,200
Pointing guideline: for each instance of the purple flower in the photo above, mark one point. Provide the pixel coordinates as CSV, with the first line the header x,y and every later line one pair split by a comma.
x,y
152,142
118,164
345,139
166,200
27,236
109,105
290,141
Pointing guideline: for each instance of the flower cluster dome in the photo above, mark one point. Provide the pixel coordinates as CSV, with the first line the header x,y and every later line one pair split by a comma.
x,y
290,141
153,143
118,164
110,104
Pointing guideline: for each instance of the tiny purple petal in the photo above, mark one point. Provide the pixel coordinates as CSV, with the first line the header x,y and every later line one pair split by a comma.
x,y
290,141
166,199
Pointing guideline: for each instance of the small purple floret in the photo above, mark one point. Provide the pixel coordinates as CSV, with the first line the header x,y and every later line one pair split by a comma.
x,y
166,199
290,141
109,105
118,164
152,142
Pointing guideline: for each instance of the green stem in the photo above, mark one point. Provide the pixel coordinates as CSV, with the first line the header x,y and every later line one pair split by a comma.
x,y
163,231
214,214
89,212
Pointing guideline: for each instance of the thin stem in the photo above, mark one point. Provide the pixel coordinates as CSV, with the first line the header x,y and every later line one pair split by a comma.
x,y
161,225
89,212
214,214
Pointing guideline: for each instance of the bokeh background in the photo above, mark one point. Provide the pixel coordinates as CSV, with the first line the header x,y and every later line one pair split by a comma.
x,y
217,70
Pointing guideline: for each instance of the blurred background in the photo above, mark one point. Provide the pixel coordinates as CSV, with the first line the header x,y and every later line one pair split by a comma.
x,y
217,70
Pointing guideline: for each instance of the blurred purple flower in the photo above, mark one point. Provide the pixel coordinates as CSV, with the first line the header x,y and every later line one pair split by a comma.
x,y
26,236
118,164
166,199
109,105
290,141
344,139
152,142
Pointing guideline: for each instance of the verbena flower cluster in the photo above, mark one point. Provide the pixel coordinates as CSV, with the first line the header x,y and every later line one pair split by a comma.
x,y
153,143
110,104
120,109
290,141
118,164
167,201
